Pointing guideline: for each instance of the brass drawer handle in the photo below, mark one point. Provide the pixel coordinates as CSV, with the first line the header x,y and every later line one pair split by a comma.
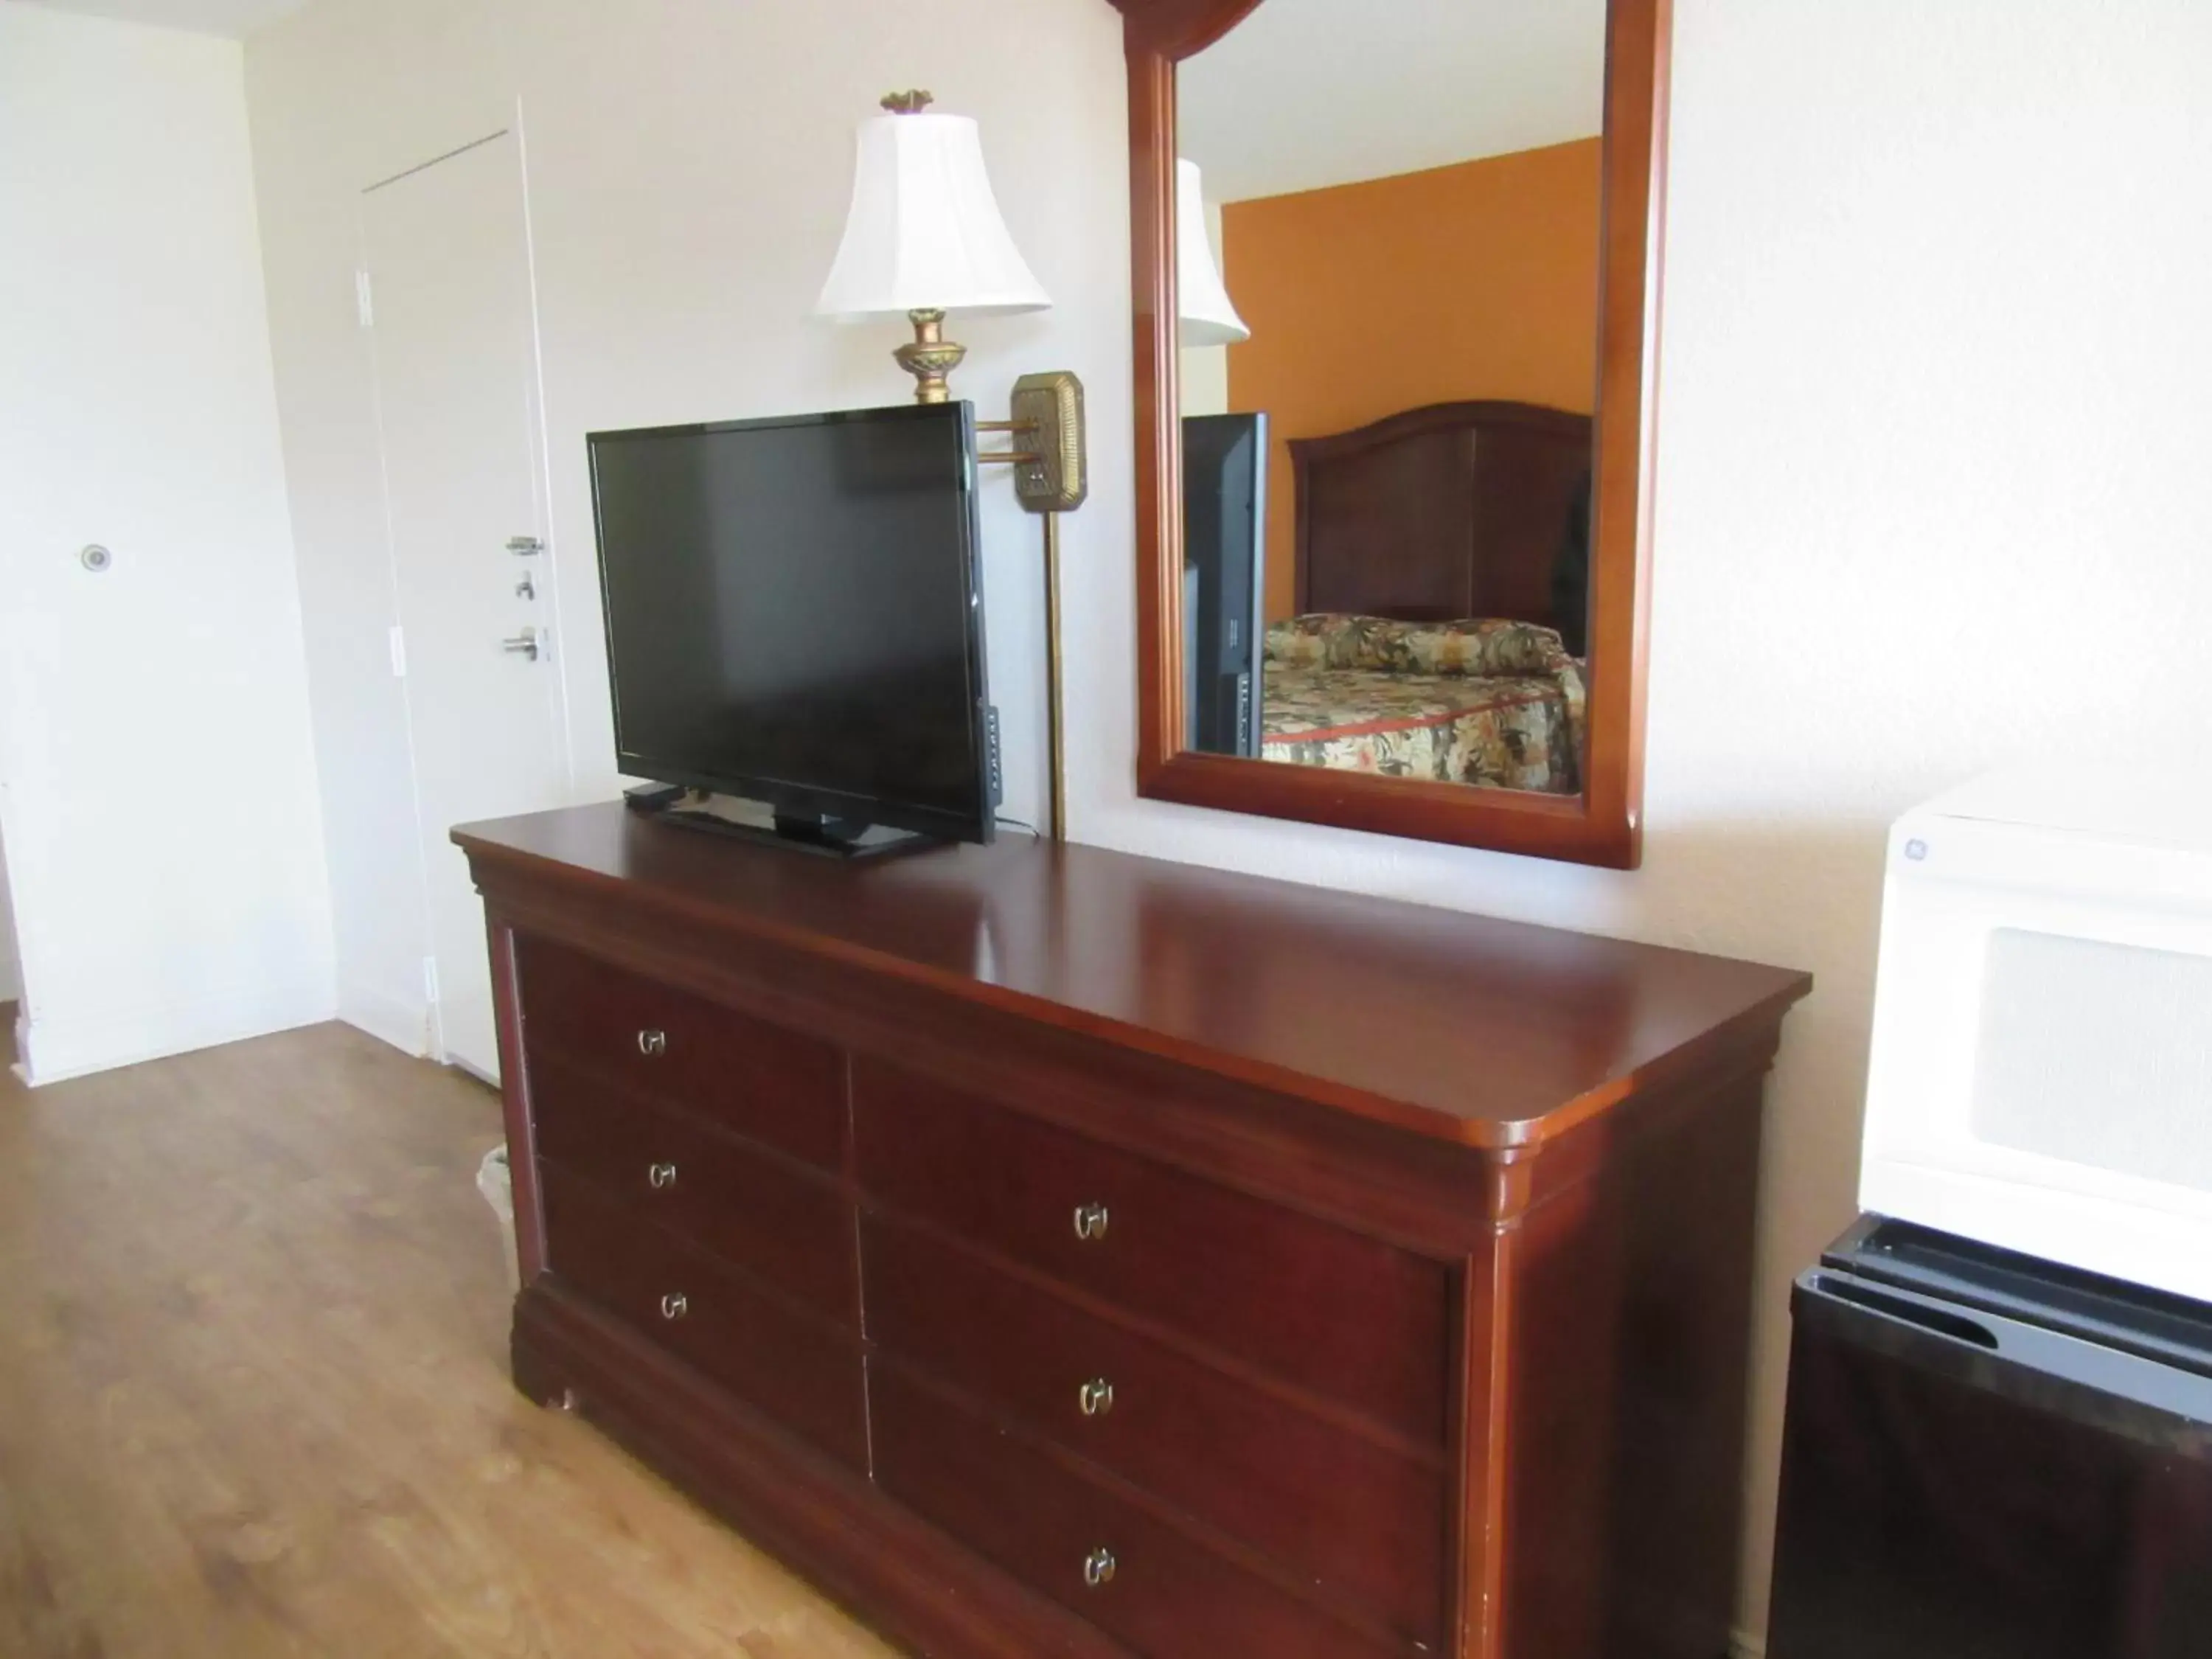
x,y
660,1175
652,1043
1098,1567
1096,1396
675,1305
1091,1221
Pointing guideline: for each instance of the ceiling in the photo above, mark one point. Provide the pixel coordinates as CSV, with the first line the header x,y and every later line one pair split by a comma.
x,y
1308,93
235,18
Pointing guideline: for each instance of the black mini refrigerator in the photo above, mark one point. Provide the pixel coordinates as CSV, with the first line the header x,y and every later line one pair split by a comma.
x,y
1987,1456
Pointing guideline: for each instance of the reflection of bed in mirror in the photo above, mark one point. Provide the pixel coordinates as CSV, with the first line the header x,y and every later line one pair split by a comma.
x,y
1442,561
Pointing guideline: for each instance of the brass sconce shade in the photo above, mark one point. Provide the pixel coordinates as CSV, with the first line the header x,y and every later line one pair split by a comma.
x,y
924,236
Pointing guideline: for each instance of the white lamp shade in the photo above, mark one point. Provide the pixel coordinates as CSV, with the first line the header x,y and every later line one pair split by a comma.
x,y
924,232
1207,319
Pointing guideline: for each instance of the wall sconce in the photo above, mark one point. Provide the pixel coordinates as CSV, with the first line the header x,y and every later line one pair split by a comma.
x,y
924,236
1206,318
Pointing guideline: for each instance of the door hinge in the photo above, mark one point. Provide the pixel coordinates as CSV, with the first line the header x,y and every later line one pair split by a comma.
x,y
430,980
398,639
364,302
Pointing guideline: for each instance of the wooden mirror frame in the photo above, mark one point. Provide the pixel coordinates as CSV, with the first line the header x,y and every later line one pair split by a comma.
x,y
1603,826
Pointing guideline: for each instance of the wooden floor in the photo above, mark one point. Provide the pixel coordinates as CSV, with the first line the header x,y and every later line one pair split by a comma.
x,y
253,1397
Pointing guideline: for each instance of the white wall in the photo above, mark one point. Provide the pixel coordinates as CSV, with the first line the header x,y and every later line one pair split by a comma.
x,y
688,163
1931,410
157,794
1932,418
11,974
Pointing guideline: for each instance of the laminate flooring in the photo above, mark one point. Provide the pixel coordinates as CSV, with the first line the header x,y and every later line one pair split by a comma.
x,y
253,1394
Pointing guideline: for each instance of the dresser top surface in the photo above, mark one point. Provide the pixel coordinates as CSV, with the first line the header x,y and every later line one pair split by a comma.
x,y
1458,1027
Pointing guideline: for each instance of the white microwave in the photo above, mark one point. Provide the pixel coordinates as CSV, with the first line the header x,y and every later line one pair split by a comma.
x,y
2041,1075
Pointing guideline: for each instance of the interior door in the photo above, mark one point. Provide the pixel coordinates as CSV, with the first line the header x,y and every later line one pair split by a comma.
x,y
449,304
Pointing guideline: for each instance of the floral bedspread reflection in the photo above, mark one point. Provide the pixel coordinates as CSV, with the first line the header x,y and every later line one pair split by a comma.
x,y
1494,703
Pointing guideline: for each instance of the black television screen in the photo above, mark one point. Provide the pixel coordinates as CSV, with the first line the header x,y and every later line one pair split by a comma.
x,y
794,612
1224,550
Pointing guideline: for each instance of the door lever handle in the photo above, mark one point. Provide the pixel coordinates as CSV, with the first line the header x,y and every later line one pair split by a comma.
x,y
526,642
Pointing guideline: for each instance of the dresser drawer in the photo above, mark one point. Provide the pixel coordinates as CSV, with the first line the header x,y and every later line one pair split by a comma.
x,y
1346,1316
795,1367
792,1227
1360,1520
1167,1597
774,1085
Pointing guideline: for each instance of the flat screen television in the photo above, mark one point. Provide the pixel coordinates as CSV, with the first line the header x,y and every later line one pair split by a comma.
x,y
794,616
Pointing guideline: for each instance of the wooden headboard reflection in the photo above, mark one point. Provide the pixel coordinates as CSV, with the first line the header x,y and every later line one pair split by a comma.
x,y
1463,509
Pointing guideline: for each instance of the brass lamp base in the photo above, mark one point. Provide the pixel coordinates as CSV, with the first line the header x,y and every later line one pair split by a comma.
x,y
930,357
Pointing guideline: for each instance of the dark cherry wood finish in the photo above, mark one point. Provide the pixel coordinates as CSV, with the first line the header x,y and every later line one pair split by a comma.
x,y
1040,1517
1449,511
756,1080
1423,1287
1365,1330
796,1368
1603,826
788,1226
1362,1518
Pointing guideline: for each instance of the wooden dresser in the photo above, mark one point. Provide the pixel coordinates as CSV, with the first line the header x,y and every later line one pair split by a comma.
x,y
1051,1252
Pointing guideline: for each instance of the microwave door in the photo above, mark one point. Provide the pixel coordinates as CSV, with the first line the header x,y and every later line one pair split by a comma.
x,y
2041,1074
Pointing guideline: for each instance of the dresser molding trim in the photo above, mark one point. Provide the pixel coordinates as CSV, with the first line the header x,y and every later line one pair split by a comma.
x,y
521,1120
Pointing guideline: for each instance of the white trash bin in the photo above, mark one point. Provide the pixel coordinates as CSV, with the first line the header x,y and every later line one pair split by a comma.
x,y
496,1183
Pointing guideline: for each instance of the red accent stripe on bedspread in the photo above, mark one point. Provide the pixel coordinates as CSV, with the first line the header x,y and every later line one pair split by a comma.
x,y
1425,723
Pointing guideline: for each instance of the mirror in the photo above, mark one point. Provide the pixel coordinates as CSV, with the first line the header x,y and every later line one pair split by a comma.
x,y
1392,289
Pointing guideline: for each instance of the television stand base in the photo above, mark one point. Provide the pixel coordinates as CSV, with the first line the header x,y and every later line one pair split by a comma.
x,y
827,837
654,797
